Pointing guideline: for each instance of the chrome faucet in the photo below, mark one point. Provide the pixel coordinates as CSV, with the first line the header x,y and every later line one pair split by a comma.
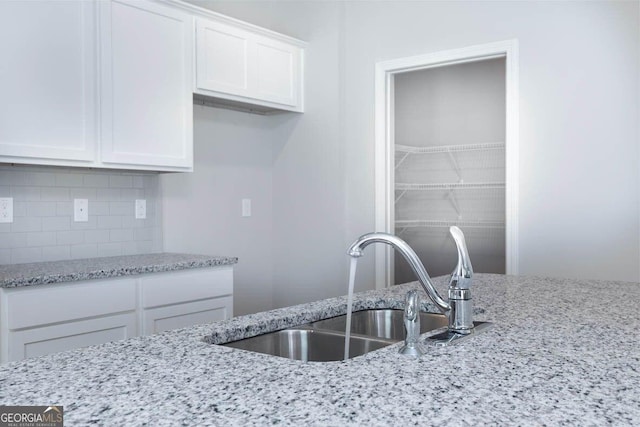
x,y
459,308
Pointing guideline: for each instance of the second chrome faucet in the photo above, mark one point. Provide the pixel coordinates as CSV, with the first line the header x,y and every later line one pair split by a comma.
x,y
459,307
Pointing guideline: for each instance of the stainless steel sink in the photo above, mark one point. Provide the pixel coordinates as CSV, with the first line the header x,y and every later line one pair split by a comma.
x,y
323,341
386,323
309,344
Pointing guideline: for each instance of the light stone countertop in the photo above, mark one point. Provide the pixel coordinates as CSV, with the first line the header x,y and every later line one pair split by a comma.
x,y
42,273
560,352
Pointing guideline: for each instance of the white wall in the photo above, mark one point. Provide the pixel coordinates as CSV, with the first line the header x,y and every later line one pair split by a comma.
x,y
202,210
297,159
578,119
452,105
578,133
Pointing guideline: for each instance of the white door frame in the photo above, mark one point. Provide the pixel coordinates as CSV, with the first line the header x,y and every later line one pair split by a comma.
x,y
384,192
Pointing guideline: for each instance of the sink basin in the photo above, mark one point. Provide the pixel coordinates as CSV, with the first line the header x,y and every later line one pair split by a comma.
x,y
386,323
323,341
309,344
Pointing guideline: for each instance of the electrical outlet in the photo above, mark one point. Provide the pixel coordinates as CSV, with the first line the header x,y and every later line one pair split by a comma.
x,y
246,207
141,208
80,210
6,209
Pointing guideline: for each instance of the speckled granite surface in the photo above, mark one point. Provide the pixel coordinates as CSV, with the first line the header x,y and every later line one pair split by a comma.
x,y
561,352
39,273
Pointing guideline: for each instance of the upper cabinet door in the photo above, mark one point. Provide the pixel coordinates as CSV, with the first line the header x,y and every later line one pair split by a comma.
x,y
48,84
222,58
146,99
246,65
277,72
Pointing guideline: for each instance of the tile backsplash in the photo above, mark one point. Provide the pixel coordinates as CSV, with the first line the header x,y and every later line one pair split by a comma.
x,y
43,228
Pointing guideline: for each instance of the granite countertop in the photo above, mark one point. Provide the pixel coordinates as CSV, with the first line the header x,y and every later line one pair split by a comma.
x,y
560,352
41,273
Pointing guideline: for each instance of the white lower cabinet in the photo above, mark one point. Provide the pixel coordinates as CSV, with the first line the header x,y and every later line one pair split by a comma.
x,y
46,319
178,299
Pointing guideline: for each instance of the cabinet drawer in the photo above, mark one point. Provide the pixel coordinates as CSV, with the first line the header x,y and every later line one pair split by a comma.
x,y
181,315
66,336
62,303
184,286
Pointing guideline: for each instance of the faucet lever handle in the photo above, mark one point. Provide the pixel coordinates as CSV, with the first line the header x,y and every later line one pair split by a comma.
x,y
461,314
461,275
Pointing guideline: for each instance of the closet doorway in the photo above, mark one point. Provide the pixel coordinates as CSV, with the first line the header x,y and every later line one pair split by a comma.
x,y
446,154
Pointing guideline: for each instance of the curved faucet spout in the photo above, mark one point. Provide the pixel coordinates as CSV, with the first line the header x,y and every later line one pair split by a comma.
x,y
355,250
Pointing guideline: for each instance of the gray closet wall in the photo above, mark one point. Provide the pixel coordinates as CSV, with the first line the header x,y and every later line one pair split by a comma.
x,y
449,127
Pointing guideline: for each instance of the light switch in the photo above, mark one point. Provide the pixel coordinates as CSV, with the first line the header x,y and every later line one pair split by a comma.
x,y
6,209
141,208
246,207
80,210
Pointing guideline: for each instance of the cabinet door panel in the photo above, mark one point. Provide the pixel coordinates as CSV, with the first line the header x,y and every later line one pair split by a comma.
x,y
222,58
51,339
276,71
147,99
188,314
47,80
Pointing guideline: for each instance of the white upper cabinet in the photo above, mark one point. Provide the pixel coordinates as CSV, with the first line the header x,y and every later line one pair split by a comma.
x,y
243,64
146,86
48,85
110,83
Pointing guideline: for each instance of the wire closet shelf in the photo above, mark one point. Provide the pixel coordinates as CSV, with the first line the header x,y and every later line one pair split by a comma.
x,y
403,152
